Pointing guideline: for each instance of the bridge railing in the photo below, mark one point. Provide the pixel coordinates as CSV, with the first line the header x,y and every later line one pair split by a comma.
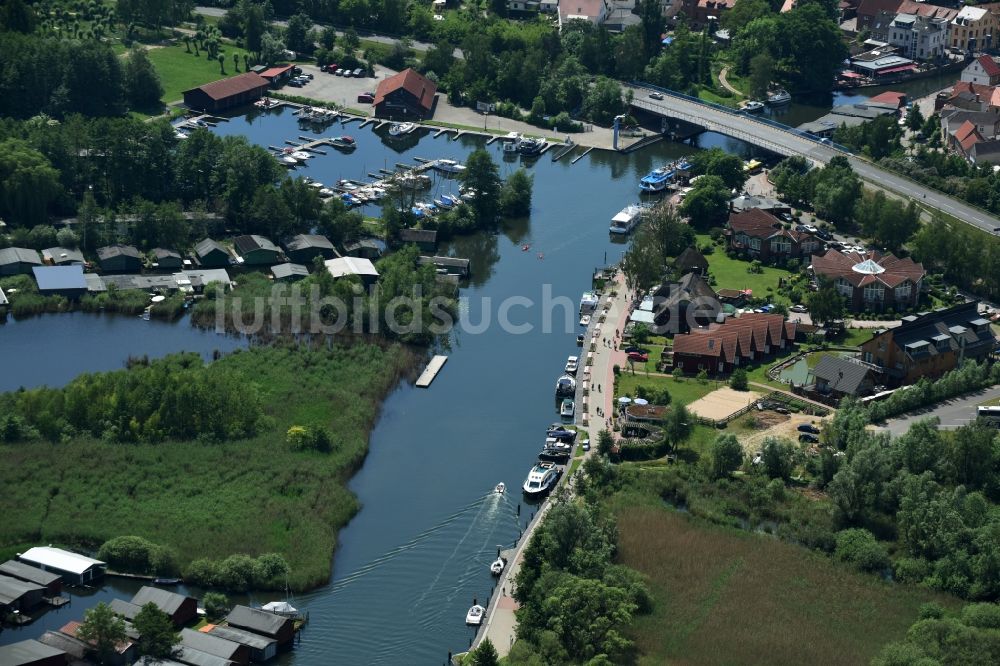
x,y
733,112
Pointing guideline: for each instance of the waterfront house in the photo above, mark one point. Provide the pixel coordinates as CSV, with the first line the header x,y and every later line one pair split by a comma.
x,y
277,76
837,377
347,266
407,95
760,235
366,248
197,280
870,280
226,93
304,248
180,608
66,281
75,569
261,648
450,265
119,259
211,254
19,595
215,645
18,261
3,301
679,305
254,250
974,29
62,256
930,344
50,581
424,239
736,342
691,261
167,260
264,623
31,653
919,37
289,272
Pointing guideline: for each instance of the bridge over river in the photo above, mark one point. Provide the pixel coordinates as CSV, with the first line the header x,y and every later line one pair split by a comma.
x,y
787,141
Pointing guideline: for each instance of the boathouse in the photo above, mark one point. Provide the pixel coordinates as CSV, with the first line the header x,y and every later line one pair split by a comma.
x,y
226,93
180,608
119,259
50,581
197,280
19,595
75,569
254,250
216,646
346,266
75,649
261,648
211,254
407,96
18,261
125,652
304,248
66,281
450,265
367,248
62,256
289,272
424,239
167,260
31,653
126,609
270,625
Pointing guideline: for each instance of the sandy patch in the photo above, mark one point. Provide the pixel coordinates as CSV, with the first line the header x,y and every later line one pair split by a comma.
x,y
722,403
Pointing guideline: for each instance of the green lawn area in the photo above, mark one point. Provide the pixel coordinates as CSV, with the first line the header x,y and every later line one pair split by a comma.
x,y
180,71
855,336
732,274
684,391
726,596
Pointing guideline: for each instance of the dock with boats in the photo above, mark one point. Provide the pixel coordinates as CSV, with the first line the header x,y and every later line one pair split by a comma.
x,y
431,371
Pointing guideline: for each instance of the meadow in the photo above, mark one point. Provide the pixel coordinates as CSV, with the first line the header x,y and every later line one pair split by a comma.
x,y
180,70
211,500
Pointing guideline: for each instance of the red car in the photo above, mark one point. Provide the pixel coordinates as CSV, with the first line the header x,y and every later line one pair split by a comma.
x,y
638,357
331,68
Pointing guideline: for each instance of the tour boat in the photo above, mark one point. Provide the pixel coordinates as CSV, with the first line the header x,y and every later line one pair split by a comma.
x,y
531,146
626,220
497,567
572,363
500,488
399,129
542,477
658,179
475,616
449,166
778,97
753,106
567,409
565,385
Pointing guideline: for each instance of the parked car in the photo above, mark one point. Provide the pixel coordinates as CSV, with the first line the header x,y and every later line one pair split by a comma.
x,y
308,76
366,98
331,68
359,72
782,410
347,72
656,95
809,428
798,308
808,439
340,72
295,70
638,350
638,357
295,83
825,235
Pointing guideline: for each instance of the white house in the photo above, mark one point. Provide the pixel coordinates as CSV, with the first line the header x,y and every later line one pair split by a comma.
x,y
595,11
919,37
983,71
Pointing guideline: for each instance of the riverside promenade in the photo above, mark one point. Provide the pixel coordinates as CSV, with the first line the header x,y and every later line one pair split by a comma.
x,y
608,323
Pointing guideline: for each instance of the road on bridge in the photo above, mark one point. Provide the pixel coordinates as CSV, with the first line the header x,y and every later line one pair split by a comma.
x,y
788,142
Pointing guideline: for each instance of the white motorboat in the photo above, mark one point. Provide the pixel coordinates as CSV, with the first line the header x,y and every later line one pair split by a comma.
x,y
441,203
326,192
572,363
531,146
512,142
497,567
565,385
500,488
475,616
451,199
449,166
567,409
585,320
288,160
542,477
315,183
346,185
301,155
778,97
626,220
180,135
399,129
753,106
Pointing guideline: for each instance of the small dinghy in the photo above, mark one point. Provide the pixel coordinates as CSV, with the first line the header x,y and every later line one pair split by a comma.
x,y
500,488
497,567
475,616
166,581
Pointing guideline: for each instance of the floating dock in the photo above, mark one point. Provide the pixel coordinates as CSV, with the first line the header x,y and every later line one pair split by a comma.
x,y
431,371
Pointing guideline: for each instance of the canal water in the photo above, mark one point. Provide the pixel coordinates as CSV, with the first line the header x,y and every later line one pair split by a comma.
x,y
417,554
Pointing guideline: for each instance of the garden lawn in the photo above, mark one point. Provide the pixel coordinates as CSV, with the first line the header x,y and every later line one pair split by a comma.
x,y
732,274
725,596
180,71
684,391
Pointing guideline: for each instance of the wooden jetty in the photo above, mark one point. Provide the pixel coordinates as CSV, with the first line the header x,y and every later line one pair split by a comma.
x,y
562,152
365,123
431,371
581,155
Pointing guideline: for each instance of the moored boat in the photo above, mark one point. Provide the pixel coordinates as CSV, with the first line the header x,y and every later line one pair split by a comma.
x,y
399,129
567,409
626,220
474,617
658,179
344,142
565,385
449,166
778,97
753,106
531,146
542,477
497,567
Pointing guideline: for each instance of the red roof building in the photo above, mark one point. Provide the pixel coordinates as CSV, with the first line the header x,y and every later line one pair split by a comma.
x,y
226,93
872,281
277,73
984,71
896,98
740,341
762,236
407,95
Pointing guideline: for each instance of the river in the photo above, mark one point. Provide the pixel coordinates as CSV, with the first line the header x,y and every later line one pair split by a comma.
x,y
412,560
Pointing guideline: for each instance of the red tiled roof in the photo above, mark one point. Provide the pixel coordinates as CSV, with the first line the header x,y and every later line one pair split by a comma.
x,y
422,88
889,97
737,337
967,135
989,65
927,10
836,264
234,85
275,72
758,223
873,7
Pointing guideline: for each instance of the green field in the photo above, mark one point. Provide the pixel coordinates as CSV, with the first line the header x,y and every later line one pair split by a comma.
x,y
210,500
732,274
180,71
725,596
684,391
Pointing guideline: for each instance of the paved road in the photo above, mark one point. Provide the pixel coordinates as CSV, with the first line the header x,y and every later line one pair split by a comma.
x,y
788,142
953,413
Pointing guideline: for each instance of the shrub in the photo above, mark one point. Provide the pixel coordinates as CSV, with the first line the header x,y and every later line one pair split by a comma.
x,y
738,380
133,554
860,548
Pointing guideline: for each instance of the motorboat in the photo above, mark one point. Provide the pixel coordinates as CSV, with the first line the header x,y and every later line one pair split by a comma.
x,y
572,363
166,581
579,340
346,185
399,129
567,409
288,160
626,220
313,183
344,142
326,192
531,146
558,453
180,135
778,97
497,567
752,166
658,179
301,155
753,106
451,198
585,320
474,617
560,433
449,166
565,385
500,488
542,477
511,143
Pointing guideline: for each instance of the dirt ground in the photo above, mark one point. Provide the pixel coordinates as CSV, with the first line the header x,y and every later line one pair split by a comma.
x,y
786,428
722,402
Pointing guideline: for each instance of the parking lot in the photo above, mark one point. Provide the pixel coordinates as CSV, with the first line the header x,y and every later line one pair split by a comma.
x,y
341,90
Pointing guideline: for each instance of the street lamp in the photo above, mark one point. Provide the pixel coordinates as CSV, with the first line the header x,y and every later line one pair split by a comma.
x,y
486,115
